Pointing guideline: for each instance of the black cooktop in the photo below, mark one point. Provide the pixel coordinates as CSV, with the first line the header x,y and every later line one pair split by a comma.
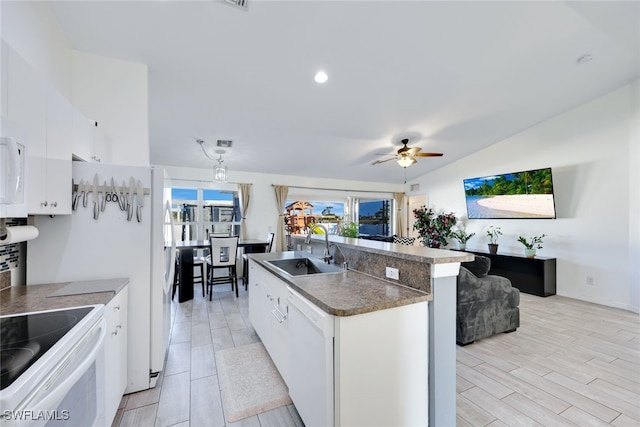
x,y
24,338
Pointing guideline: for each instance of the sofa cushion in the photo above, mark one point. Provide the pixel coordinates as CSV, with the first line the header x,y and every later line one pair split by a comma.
x,y
480,266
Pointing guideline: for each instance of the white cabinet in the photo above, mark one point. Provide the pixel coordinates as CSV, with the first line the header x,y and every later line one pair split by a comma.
x,y
82,140
116,352
88,143
268,313
44,118
4,73
381,363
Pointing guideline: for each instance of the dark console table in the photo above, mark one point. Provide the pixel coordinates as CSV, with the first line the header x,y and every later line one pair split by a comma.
x,y
535,276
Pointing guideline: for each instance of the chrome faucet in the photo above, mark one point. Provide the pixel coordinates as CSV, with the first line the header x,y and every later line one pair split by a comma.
x,y
326,256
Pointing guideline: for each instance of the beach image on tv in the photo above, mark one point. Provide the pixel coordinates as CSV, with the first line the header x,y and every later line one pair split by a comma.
x,y
526,194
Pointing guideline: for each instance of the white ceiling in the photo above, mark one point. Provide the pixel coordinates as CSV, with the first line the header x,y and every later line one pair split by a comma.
x,y
453,76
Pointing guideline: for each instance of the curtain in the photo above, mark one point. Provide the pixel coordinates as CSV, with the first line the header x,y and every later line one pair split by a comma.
x,y
245,196
398,199
281,192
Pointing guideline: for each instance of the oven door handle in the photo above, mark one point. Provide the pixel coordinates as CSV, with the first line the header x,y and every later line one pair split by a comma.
x,y
46,399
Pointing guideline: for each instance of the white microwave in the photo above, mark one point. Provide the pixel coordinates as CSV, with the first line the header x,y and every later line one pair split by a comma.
x,y
12,174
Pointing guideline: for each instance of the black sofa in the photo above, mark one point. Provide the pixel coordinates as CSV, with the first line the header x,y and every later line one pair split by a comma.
x,y
486,304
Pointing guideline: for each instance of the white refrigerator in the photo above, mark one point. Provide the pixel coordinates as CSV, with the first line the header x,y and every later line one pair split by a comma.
x,y
80,247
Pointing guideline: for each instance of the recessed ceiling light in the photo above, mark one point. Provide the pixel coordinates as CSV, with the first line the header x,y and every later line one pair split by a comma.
x,y
321,77
587,57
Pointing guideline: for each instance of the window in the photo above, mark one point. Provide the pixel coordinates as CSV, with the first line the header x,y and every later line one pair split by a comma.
x,y
375,217
198,212
299,214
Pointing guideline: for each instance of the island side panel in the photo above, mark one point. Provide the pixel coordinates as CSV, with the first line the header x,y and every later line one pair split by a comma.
x,y
442,352
381,367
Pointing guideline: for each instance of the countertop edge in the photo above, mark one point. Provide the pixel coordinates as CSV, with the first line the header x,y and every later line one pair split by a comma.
x,y
33,298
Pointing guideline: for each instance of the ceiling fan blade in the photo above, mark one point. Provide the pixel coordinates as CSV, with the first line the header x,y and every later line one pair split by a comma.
x,y
428,155
377,162
413,151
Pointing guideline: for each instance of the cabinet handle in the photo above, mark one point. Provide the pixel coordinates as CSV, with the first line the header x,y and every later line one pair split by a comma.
x,y
116,331
54,204
44,204
276,311
117,307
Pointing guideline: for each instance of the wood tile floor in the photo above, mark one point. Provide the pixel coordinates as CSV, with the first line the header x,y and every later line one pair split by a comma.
x,y
188,394
570,363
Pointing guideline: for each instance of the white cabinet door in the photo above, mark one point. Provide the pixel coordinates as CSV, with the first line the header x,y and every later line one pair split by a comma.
x,y
258,301
268,313
58,172
88,141
27,103
280,328
4,77
116,352
44,118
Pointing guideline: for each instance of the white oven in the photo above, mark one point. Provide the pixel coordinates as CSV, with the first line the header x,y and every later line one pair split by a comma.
x,y
52,370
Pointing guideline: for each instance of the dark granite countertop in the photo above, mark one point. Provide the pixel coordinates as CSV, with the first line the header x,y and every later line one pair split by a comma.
x,y
345,293
25,299
412,253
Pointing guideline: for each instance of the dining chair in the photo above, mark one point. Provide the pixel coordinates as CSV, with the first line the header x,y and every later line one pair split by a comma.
x,y
207,251
222,257
254,250
176,275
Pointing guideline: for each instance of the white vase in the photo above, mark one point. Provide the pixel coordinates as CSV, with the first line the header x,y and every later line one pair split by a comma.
x,y
530,253
462,246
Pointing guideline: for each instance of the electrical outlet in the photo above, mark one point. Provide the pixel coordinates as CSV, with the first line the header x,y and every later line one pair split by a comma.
x,y
393,273
591,281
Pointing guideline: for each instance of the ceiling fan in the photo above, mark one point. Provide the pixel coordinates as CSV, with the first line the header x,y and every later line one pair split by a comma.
x,y
406,156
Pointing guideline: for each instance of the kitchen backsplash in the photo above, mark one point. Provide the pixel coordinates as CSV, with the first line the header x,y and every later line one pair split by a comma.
x,y
9,254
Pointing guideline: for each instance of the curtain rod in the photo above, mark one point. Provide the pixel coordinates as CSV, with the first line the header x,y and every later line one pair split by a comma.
x,y
207,181
336,189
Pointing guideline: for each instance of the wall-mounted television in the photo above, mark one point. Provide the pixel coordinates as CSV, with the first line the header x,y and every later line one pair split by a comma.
x,y
527,194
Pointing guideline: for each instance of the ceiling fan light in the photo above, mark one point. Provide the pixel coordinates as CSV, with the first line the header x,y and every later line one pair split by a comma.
x,y
406,161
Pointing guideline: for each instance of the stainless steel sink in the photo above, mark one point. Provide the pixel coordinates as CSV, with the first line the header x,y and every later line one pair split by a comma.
x,y
303,266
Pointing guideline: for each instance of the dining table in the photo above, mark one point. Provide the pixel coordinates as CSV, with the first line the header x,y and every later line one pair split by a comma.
x,y
185,263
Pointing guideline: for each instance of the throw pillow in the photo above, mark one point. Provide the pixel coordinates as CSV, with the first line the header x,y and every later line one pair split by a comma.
x,y
479,266
404,240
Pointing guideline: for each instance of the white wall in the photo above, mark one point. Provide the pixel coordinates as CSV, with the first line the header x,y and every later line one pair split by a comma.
x,y
593,151
32,29
262,217
634,199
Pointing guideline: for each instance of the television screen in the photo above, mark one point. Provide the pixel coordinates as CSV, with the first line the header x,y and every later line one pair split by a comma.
x,y
527,194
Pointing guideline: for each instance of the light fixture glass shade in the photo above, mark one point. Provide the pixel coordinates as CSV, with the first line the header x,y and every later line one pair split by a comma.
x,y
220,173
406,161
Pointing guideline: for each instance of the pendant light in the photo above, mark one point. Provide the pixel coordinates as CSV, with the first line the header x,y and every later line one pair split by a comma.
x,y
219,170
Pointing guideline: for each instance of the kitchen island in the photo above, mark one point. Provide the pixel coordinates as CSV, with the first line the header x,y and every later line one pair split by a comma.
x,y
385,317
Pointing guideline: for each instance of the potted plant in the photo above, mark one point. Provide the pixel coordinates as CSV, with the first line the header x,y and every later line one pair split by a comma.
x,y
433,228
462,237
350,230
532,244
493,233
